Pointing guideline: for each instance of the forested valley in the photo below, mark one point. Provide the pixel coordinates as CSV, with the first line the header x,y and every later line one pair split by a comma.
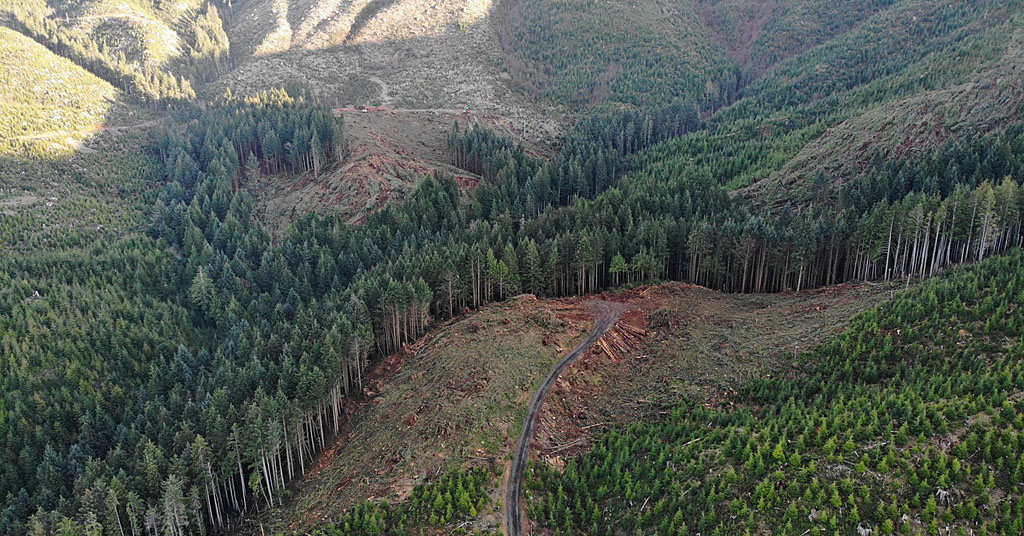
x,y
176,378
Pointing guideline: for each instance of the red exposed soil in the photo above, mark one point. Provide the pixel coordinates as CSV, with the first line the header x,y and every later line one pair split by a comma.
x,y
390,151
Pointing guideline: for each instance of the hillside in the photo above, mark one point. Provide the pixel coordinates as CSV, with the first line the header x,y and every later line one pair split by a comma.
x,y
896,85
833,87
69,150
908,421
301,265
49,104
456,399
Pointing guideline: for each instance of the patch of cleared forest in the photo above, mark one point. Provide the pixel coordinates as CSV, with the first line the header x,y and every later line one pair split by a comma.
x,y
456,399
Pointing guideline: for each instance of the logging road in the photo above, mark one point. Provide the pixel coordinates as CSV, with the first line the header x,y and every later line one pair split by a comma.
x,y
605,316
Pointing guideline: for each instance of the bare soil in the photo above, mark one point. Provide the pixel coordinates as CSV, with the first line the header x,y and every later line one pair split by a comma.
x,y
455,398
687,341
391,150
418,64
459,396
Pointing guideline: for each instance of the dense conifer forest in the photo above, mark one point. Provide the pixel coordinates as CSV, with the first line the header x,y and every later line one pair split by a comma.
x,y
177,374
293,322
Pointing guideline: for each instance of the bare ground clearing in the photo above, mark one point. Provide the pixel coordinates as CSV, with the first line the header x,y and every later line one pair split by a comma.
x,y
459,396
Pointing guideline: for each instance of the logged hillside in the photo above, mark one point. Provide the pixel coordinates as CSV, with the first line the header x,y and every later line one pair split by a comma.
x,y
455,401
204,276
914,77
799,98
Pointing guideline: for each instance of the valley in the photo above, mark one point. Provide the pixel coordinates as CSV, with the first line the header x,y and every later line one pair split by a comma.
x,y
389,267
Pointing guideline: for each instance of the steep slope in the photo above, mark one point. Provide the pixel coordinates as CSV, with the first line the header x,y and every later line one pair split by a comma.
x,y
911,77
904,130
418,65
400,54
582,53
49,104
457,398
71,168
653,53
155,51
138,29
815,84
910,421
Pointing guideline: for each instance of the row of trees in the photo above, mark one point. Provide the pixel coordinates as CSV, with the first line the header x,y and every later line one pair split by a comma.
x,y
677,222
593,158
209,55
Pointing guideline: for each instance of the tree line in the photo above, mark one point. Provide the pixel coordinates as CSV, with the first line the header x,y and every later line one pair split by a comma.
x,y
906,423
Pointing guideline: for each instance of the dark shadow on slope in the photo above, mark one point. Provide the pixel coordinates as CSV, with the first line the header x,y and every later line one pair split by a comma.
x,y
366,15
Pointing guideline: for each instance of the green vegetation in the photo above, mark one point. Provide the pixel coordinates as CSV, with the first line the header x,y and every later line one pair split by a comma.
x,y
674,221
98,363
156,52
912,50
73,169
45,99
646,54
239,391
761,34
911,421
167,364
455,497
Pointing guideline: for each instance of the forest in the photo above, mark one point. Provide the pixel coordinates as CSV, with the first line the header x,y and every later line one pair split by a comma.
x,y
178,374
294,321
909,422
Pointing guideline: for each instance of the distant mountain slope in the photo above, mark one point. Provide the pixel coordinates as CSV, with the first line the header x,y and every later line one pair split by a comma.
x,y
71,164
651,53
913,76
582,53
135,28
401,53
48,104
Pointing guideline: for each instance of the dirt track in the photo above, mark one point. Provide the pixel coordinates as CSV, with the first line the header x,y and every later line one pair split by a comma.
x,y
605,316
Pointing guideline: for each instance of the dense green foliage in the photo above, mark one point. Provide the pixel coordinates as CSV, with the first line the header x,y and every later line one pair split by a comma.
x,y
911,421
777,31
133,388
573,52
229,399
674,221
911,50
42,93
167,381
454,497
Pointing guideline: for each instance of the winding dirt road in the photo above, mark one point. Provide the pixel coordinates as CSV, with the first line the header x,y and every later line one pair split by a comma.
x,y
605,316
